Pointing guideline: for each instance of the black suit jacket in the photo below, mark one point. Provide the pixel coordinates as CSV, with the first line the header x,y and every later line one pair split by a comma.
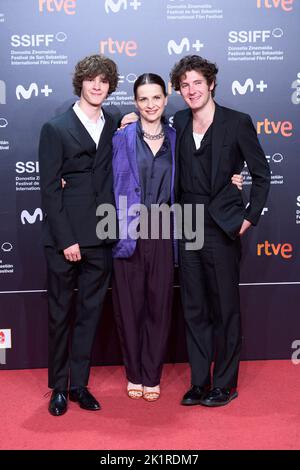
x,y
234,142
67,151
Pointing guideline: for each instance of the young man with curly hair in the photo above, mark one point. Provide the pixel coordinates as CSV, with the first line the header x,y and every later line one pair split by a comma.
x,y
213,142
76,147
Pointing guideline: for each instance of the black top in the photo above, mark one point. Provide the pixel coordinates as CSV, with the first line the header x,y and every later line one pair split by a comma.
x,y
155,171
195,165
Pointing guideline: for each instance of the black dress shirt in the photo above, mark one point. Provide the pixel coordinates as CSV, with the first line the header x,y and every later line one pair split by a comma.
x,y
155,171
195,165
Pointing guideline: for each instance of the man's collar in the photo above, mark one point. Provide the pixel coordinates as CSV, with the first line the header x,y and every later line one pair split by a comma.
x,y
83,117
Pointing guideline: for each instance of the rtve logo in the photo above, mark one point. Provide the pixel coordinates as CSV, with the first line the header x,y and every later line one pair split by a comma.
x,y
184,46
254,36
249,85
31,218
56,6
286,5
285,250
116,5
110,46
285,128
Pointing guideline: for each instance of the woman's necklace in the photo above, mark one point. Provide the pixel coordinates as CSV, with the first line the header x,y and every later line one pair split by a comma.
x,y
153,136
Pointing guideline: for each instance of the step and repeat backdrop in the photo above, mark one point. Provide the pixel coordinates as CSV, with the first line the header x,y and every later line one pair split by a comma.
x,y
256,46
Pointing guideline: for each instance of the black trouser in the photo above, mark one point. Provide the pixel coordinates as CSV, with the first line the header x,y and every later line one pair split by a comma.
x,y
142,294
71,340
210,296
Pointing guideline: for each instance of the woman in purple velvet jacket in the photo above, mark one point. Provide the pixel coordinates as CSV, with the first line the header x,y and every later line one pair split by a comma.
x,y
143,167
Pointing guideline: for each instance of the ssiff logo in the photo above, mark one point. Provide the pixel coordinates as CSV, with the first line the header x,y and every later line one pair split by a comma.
x,y
36,40
56,6
286,5
115,5
5,339
254,35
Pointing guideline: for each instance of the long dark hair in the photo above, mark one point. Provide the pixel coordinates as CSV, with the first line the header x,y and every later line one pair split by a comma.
x,y
149,79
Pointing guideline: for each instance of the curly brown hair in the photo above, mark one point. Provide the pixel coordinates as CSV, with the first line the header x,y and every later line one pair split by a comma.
x,y
92,66
194,62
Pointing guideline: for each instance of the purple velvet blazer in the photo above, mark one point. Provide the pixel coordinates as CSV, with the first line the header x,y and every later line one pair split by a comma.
x,y
127,183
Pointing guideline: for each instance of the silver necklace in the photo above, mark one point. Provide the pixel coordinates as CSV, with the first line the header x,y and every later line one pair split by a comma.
x,y
153,136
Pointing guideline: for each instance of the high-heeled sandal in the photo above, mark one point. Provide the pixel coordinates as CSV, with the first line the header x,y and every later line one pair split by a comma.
x,y
151,393
134,391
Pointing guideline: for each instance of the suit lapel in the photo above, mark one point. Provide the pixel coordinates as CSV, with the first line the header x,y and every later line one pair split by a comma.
x,y
105,137
185,118
80,134
180,128
106,133
218,134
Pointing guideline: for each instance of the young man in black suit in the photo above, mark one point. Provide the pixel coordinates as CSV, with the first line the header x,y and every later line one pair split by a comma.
x,y
76,147
213,143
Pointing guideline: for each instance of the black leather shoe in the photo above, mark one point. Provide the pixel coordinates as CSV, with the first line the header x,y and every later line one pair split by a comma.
x,y
85,399
58,403
194,395
219,397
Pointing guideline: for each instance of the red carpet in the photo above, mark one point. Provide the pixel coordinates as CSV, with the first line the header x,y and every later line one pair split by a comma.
x,y
265,416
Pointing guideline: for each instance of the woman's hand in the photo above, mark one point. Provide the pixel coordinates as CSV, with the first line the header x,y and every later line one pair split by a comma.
x,y
128,119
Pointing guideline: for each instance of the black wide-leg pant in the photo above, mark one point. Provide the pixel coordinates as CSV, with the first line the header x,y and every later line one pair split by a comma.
x,y
142,296
209,280
71,339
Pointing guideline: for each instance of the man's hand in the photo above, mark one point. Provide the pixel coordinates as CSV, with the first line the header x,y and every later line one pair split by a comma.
x,y
72,253
245,225
128,119
238,181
